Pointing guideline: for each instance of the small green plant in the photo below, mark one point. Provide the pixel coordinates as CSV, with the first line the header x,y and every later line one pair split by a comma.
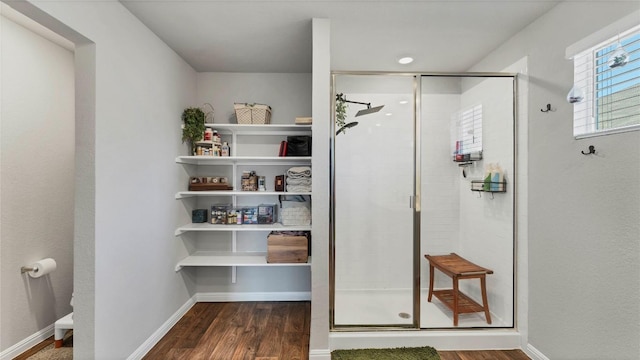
x,y
193,126
341,111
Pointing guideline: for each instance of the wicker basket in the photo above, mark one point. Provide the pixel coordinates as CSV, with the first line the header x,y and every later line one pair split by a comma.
x,y
252,113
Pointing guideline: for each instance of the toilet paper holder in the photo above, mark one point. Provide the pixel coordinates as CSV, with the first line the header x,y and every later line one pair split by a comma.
x,y
25,269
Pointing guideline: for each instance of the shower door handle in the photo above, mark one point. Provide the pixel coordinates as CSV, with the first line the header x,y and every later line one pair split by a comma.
x,y
412,201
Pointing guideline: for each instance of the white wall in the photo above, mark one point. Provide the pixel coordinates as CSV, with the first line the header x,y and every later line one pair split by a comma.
x,y
289,95
141,88
584,249
37,177
321,112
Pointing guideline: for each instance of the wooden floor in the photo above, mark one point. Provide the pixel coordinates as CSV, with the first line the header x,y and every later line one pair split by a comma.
x,y
261,331
239,330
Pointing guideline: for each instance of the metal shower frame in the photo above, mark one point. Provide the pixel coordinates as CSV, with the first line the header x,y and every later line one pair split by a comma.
x,y
417,116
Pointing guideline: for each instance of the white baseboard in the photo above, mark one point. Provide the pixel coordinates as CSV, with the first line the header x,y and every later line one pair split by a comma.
x,y
27,343
143,349
534,353
324,354
253,296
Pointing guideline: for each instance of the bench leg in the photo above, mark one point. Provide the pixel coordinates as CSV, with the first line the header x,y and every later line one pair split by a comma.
x,y
430,282
455,301
485,303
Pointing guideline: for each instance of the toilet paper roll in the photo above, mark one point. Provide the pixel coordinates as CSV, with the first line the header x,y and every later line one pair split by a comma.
x,y
42,267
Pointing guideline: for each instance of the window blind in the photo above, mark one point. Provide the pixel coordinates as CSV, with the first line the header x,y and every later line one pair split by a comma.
x,y
611,94
467,130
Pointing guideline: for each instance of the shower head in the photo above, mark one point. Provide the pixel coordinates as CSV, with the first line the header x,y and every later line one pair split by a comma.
x,y
346,126
369,110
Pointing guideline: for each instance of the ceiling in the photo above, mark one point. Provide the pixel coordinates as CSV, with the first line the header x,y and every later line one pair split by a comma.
x,y
275,36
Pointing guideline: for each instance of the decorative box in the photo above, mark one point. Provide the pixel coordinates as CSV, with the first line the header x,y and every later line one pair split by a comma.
x,y
266,213
234,216
279,183
283,247
209,183
219,214
249,181
199,216
250,215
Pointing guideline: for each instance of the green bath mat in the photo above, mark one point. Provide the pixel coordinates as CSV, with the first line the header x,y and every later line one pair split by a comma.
x,y
416,353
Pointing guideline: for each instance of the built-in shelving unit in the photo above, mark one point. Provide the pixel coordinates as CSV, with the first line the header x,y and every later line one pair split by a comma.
x,y
257,145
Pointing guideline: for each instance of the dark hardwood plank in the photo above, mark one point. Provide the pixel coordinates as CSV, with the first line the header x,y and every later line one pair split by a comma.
x,y
273,336
483,355
209,340
246,349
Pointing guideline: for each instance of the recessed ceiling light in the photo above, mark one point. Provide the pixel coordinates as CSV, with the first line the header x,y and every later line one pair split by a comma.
x,y
402,102
405,60
388,114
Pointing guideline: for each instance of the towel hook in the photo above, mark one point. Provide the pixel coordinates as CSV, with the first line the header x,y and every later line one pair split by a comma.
x,y
592,150
547,109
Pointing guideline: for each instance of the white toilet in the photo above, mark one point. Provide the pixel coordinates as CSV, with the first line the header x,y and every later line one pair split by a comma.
x,y
61,326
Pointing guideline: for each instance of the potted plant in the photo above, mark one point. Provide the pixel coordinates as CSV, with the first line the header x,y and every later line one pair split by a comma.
x,y
193,119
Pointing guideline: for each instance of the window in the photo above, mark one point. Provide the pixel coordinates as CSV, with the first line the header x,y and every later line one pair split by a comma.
x,y
467,131
607,78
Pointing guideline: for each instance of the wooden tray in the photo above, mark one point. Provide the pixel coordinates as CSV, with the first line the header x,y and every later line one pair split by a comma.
x,y
209,187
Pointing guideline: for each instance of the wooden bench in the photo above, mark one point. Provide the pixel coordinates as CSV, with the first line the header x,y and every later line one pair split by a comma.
x,y
458,268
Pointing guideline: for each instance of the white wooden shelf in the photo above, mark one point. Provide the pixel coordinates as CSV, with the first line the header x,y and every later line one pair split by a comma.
x,y
247,160
188,194
214,258
260,129
244,227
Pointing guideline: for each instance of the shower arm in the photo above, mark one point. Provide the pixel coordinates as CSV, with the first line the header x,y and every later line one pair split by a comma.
x,y
340,97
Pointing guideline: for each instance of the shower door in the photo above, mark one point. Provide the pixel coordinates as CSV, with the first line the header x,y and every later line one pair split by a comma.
x,y
373,191
467,130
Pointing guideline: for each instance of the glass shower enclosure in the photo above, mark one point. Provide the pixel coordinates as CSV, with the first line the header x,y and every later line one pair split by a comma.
x,y
410,156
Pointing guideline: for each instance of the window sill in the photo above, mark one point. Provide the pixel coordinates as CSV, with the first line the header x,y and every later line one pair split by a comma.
x,y
608,132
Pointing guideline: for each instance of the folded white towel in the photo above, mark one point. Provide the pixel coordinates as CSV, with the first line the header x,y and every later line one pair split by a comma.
x,y
301,181
299,172
299,188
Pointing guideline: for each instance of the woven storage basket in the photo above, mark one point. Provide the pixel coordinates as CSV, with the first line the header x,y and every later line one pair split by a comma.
x,y
252,113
